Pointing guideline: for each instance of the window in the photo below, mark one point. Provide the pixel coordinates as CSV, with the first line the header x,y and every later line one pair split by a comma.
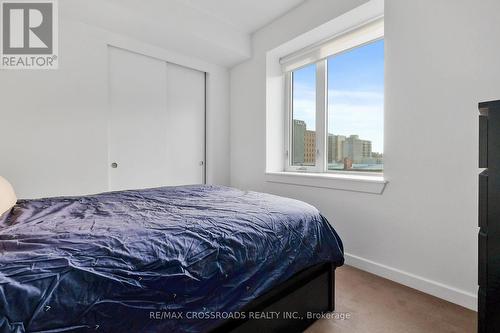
x,y
336,104
356,109
304,116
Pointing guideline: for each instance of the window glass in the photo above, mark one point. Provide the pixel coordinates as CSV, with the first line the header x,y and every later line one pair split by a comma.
x,y
356,109
303,124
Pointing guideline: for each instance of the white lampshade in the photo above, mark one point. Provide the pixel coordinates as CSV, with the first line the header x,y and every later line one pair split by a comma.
x,y
7,196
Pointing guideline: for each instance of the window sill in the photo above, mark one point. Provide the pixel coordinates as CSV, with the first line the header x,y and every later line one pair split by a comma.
x,y
357,183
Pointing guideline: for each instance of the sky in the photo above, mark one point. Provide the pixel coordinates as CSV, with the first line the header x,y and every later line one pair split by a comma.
x,y
355,94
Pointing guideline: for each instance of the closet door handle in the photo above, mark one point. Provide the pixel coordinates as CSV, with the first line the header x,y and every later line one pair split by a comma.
x,y
114,165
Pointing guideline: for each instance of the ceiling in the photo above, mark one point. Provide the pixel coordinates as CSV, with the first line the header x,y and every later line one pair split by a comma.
x,y
217,31
245,15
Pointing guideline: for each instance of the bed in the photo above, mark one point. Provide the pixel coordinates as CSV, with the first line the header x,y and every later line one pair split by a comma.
x,y
171,259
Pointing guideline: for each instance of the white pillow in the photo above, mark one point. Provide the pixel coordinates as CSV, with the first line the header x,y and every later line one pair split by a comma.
x,y
7,196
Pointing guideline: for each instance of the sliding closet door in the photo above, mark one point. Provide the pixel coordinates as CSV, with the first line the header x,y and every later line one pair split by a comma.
x,y
186,111
156,131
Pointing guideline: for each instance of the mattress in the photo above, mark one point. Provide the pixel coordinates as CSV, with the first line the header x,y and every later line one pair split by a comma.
x,y
170,259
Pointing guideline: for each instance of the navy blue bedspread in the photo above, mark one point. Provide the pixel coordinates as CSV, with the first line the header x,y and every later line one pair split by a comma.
x,y
127,261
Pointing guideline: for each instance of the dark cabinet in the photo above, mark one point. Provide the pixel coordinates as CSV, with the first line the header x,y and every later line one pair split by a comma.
x,y
489,218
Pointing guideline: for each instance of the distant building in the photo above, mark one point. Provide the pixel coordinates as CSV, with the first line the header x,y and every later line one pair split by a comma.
x,y
378,158
342,150
335,148
304,144
347,163
357,150
310,147
299,133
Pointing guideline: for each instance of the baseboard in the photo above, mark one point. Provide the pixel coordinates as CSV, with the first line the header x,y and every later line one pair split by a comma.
x,y
457,296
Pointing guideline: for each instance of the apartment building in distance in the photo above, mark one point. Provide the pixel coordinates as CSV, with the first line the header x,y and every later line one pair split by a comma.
x,y
304,144
310,147
341,148
298,147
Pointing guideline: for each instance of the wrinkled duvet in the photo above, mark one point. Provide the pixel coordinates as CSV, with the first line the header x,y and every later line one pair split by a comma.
x,y
156,260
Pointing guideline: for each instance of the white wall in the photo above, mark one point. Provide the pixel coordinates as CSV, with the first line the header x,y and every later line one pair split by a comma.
x,y
441,60
53,124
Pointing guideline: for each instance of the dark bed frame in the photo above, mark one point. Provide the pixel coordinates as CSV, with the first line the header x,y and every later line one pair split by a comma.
x,y
309,291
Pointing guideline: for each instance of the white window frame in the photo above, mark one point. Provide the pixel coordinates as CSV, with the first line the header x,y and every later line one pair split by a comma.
x,y
321,165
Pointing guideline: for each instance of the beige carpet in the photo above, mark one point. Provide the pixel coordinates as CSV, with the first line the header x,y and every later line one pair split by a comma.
x,y
377,305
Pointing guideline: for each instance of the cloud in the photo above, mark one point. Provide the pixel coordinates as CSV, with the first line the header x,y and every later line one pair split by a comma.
x,y
367,121
305,109
304,91
350,112
355,94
